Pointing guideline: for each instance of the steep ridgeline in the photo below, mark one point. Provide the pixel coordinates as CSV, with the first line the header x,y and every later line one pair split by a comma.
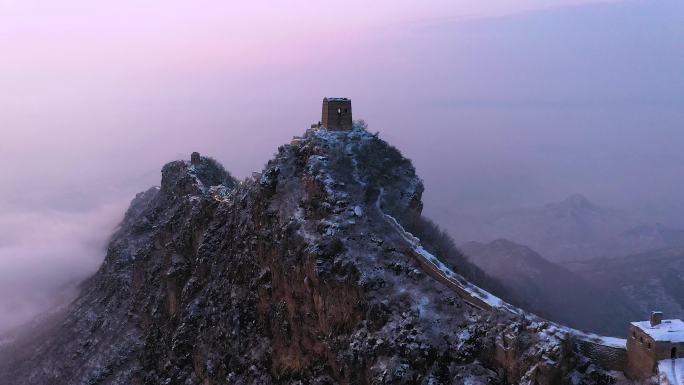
x,y
291,277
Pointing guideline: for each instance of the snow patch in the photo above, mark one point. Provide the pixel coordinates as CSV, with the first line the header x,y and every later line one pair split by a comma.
x,y
671,330
671,372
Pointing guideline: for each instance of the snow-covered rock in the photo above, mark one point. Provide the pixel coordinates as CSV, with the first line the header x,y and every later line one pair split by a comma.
x,y
273,281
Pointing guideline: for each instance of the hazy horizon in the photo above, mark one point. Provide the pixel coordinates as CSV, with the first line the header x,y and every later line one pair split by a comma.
x,y
499,106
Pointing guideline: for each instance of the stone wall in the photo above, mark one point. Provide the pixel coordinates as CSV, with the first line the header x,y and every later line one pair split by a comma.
x,y
608,357
644,353
438,275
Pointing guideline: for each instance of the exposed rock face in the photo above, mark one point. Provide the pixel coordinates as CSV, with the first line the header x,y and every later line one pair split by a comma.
x,y
291,277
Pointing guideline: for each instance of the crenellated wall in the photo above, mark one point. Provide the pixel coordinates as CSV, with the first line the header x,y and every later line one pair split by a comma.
x,y
608,357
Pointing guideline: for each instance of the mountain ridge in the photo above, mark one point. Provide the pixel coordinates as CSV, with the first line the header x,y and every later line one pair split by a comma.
x,y
651,280
551,290
574,228
290,276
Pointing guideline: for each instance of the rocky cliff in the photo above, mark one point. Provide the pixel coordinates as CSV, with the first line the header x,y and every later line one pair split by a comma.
x,y
290,277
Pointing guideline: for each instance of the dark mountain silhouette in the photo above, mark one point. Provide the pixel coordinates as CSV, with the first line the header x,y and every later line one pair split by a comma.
x,y
550,290
652,280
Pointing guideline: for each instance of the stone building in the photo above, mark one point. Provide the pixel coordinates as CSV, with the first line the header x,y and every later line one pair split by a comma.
x,y
337,114
652,341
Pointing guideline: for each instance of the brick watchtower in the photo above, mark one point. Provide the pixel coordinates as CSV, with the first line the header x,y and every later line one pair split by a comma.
x,y
337,114
652,342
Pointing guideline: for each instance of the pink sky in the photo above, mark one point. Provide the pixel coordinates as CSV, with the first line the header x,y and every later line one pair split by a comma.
x,y
77,49
96,96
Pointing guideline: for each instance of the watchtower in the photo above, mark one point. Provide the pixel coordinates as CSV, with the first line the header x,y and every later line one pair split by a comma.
x,y
652,341
337,114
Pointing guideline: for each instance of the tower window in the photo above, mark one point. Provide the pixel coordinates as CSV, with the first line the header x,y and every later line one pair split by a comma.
x,y
634,335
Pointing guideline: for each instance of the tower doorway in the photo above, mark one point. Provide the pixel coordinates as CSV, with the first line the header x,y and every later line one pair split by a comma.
x,y
673,353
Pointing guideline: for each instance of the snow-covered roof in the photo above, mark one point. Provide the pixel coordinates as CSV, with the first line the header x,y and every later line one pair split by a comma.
x,y
668,330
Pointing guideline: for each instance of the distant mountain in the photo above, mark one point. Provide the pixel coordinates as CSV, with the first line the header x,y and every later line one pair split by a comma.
x,y
572,229
550,290
658,236
651,280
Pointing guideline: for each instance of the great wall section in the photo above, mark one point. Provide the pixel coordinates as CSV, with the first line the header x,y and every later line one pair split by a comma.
x,y
608,352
